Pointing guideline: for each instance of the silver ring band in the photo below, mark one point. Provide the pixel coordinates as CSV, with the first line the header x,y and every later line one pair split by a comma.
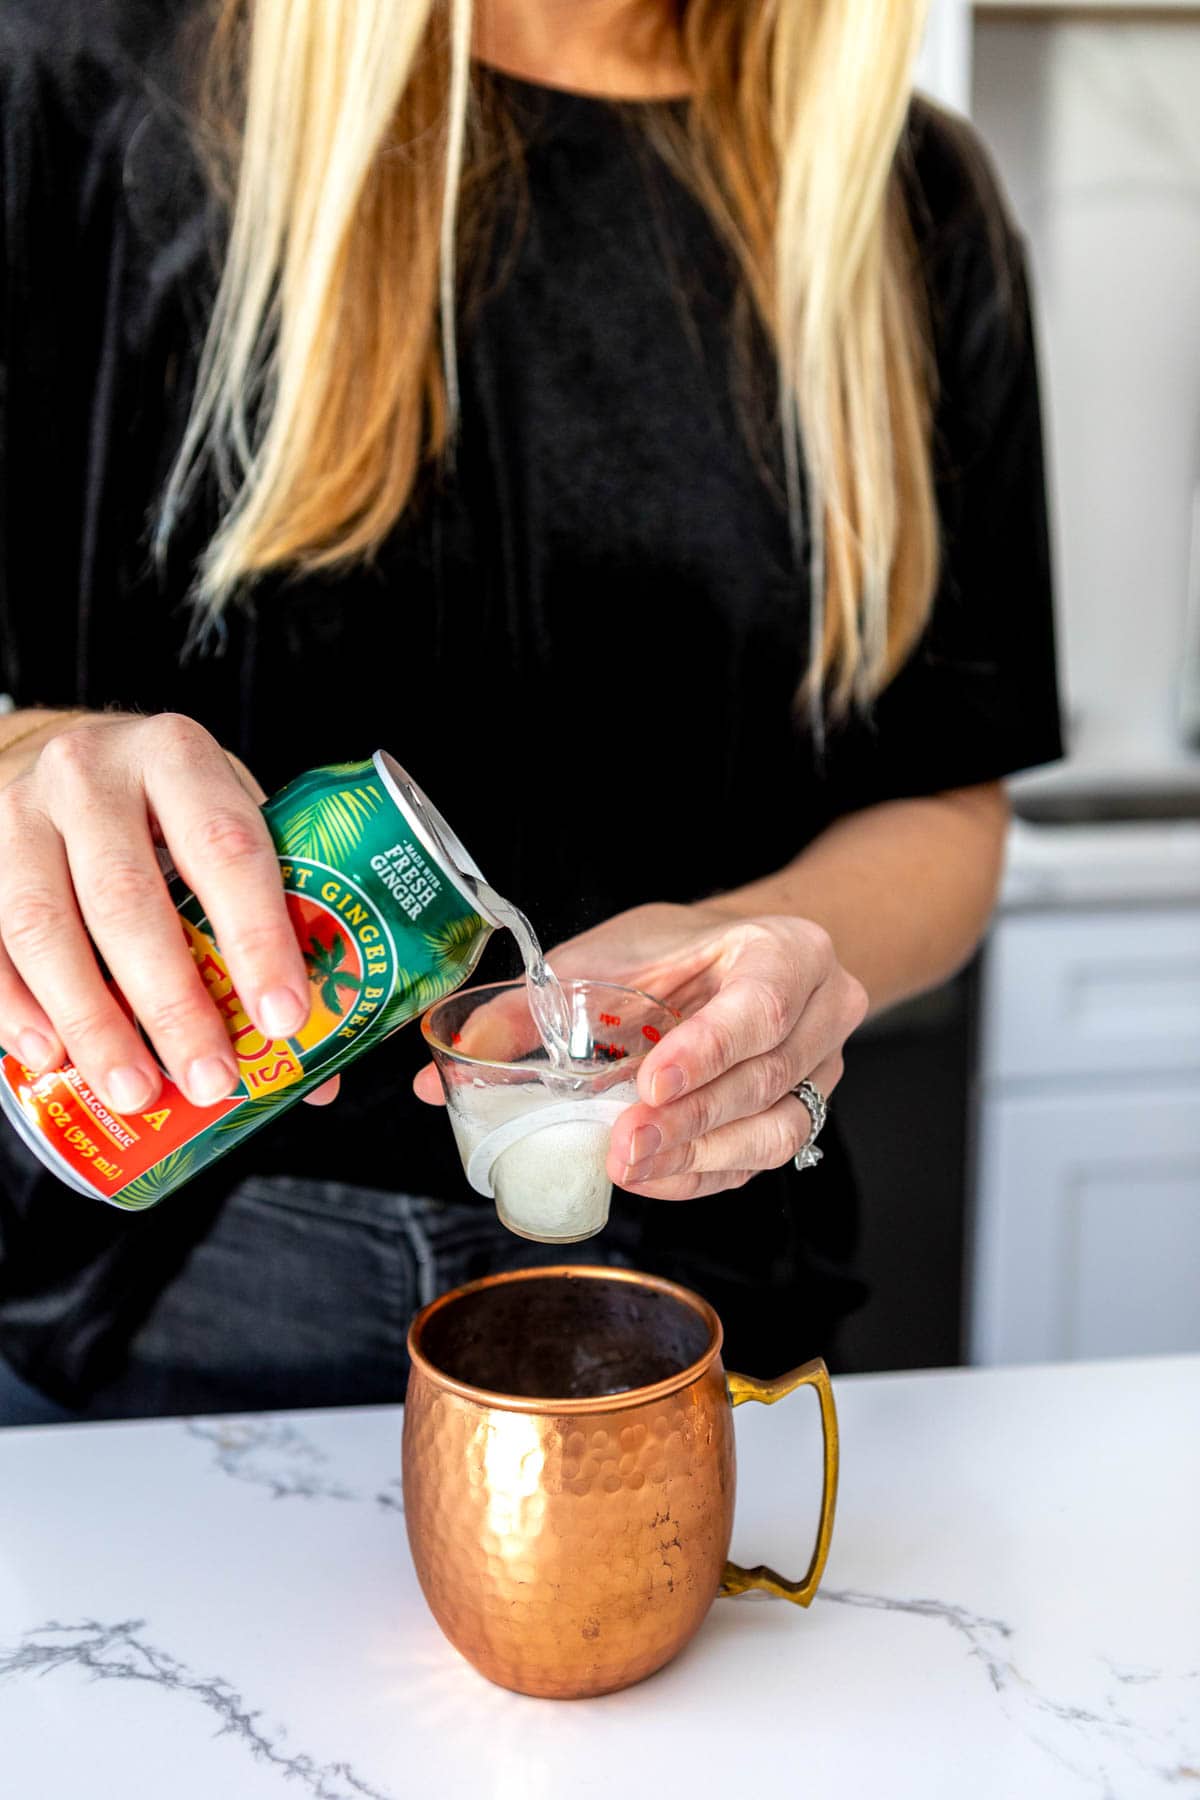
x,y
817,1108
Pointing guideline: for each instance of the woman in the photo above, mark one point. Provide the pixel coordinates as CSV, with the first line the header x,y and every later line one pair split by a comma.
x,y
627,414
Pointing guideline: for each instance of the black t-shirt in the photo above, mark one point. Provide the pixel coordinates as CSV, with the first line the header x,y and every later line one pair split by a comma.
x,y
585,642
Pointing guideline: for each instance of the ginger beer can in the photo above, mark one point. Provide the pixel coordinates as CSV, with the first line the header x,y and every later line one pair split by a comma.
x,y
386,905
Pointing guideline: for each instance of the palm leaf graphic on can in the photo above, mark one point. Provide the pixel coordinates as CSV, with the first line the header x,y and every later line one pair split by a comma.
x,y
329,826
150,1188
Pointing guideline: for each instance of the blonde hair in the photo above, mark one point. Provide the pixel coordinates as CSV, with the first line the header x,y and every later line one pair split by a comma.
x,y
328,376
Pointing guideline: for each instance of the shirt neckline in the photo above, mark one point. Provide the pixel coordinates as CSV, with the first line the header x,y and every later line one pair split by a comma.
x,y
547,92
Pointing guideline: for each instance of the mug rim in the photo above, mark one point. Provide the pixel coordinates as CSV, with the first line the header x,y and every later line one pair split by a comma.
x,y
574,1404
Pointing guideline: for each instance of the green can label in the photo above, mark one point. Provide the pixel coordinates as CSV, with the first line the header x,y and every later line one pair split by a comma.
x,y
385,930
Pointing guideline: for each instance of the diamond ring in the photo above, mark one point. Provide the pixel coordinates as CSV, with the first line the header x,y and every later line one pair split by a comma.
x,y
817,1108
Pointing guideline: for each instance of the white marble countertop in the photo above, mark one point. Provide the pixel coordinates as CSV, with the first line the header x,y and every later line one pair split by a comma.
x,y
224,1609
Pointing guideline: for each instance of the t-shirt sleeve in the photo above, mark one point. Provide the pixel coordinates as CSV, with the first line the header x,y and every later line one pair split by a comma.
x,y
62,250
43,403
978,697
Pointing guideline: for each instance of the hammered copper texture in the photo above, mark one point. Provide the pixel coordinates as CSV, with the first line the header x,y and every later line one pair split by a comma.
x,y
569,1555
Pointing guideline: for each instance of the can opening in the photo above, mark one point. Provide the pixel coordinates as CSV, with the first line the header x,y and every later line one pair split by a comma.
x,y
443,844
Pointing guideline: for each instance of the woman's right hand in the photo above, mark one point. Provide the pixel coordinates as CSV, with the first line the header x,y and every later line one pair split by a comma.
x,y
78,868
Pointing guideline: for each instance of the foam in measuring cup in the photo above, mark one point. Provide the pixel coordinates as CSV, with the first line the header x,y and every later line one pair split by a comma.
x,y
542,1154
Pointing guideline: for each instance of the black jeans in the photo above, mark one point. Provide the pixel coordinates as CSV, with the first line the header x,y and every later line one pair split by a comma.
x,y
302,1295
294,1292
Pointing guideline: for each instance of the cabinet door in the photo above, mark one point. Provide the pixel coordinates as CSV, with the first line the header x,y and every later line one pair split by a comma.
x,y
1086,1239
1072,995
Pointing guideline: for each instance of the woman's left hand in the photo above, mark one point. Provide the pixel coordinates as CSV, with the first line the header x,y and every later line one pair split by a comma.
x,y
766,1005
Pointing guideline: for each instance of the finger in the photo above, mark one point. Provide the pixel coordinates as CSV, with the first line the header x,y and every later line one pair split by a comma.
x,y
824,1078
44,937
222,849
501,1030
427,1086
254,788
727,1146
768,984
25,1029
749,1088
766,1141
127,909
690,1187
327,1091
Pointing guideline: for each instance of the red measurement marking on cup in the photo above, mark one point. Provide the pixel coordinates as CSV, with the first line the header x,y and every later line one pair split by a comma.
x,y
610,1018
651,1034
612,1052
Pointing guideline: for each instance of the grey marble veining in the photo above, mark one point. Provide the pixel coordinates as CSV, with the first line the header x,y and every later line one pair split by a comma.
x,y
120,1651
1101,1733
391,1495
227,1610
273,1454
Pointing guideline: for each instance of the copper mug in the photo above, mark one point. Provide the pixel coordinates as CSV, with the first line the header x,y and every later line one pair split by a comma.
x,y
569,1474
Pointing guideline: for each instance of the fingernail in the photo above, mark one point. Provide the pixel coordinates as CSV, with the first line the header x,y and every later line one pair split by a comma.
x,y
283,1011
327,1092
666,1084
647,1139
209,1079
33,1049
128,1089
634,1172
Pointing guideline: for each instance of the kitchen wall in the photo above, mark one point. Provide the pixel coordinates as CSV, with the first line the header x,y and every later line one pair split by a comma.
x,y
1095,123
1084,1215
1062,1204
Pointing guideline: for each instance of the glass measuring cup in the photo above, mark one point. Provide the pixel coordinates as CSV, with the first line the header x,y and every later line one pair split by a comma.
x,y
533,1137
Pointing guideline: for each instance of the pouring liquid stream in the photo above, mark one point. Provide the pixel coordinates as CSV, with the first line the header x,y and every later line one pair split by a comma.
x,y
548,1004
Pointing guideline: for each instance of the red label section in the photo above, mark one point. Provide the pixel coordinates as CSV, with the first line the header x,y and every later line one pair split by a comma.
x,y
109,1150
106,1149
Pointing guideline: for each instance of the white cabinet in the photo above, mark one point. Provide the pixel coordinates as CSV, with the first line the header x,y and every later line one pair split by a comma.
x,y
944,68
1106,992
1086,1235
1087,1238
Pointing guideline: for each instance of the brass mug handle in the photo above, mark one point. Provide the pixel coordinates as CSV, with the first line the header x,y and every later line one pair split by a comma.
x,y
737,1580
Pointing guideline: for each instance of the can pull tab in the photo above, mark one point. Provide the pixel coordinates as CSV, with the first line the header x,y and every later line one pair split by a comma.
x,y
597,1110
